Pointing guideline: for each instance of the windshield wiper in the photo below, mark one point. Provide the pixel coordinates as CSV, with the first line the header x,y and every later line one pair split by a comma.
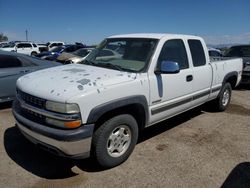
x,y
110,65
106,65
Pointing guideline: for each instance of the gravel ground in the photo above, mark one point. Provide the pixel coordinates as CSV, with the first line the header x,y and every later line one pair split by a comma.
x,y
200,148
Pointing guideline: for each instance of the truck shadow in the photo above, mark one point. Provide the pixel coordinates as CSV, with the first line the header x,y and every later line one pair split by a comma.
x,y
40,162
168,124
243,87
5,105
238,177
46,165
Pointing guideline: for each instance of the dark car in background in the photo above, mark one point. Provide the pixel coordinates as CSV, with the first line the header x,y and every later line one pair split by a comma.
x,y
14,65
56,51
74,57
53,52
242,51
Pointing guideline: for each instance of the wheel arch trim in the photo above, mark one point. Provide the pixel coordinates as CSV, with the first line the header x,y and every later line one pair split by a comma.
x,y
100,110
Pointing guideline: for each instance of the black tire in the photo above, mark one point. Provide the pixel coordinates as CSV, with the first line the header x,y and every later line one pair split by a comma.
x,y
33,53
103,144
224,97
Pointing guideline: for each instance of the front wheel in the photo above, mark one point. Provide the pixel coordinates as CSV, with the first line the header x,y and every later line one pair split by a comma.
x,y
114,140
224,97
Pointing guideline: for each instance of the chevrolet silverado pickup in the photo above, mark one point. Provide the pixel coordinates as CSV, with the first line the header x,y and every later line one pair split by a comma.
x,y
97,108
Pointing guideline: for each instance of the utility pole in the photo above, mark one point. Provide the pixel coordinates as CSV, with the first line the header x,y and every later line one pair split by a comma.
x,y
26,32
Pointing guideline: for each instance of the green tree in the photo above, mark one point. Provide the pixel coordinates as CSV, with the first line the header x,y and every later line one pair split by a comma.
x,y
3,37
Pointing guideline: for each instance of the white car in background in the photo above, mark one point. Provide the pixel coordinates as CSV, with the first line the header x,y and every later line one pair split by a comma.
x,y
27,48
52,44
213,52
3,44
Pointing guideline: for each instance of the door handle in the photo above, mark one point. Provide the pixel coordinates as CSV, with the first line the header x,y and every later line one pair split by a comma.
x,y
189,78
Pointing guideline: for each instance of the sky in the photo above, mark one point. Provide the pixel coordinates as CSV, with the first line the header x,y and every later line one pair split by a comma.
x,y
217,21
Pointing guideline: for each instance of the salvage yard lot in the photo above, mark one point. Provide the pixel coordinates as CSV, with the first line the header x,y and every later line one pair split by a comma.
x,y
196,149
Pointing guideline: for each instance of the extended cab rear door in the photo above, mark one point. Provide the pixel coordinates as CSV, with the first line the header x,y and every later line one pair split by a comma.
x,y
202,71
171,93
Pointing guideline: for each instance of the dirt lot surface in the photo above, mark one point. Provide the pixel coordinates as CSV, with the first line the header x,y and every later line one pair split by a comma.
x,y
196,149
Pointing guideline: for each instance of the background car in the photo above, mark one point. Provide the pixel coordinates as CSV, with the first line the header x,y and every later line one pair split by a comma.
x,y
3,44
27,48
53,52
75,57
52,44
242,51
14,65
68,49
213,52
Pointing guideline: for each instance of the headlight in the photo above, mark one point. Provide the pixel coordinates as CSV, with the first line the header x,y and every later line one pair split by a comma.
x,y
62,107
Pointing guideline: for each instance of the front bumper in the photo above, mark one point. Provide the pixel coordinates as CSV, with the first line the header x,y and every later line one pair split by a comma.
x,y
75,143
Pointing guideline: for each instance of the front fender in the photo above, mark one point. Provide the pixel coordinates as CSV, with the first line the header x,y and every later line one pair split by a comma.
x,y
100,110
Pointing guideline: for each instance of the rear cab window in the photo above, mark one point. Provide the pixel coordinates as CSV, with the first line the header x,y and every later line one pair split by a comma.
x,y
197,52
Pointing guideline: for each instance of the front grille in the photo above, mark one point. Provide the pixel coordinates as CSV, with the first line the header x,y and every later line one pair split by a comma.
x,y
32,100
33,116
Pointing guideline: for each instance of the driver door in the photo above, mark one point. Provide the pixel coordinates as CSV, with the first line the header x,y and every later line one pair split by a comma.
x,y
171,94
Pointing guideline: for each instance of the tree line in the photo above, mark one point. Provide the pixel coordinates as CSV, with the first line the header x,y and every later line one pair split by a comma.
x,y
3,37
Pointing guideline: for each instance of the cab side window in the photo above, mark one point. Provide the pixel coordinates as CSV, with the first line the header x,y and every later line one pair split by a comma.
x,y
174,50
197,52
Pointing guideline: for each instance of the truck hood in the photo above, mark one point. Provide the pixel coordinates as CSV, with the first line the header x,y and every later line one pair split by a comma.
x,y
64,82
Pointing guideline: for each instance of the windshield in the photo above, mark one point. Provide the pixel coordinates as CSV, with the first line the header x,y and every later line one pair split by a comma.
x,y
81,52
238,51
127,54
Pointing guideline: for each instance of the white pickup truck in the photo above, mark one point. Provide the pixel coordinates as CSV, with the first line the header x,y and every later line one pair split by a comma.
x,y
100,106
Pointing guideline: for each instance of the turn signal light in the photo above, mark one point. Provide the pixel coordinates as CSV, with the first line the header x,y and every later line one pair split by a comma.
x,y
72,124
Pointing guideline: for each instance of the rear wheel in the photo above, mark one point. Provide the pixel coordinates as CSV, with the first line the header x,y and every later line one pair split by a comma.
x,y
224,97
115,140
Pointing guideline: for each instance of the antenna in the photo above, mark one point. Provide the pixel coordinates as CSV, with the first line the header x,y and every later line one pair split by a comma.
x,y
26,32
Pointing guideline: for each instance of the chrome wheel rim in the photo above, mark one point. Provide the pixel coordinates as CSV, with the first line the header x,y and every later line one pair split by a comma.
x,y
226,97
119,141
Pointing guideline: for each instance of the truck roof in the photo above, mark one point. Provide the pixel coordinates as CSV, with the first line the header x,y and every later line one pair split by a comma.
x,y
153,35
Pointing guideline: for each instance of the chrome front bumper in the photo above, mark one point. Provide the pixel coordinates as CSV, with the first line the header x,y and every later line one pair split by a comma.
x,y
74,143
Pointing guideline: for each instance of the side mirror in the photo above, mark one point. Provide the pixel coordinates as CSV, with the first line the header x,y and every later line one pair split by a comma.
x,y
168,67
